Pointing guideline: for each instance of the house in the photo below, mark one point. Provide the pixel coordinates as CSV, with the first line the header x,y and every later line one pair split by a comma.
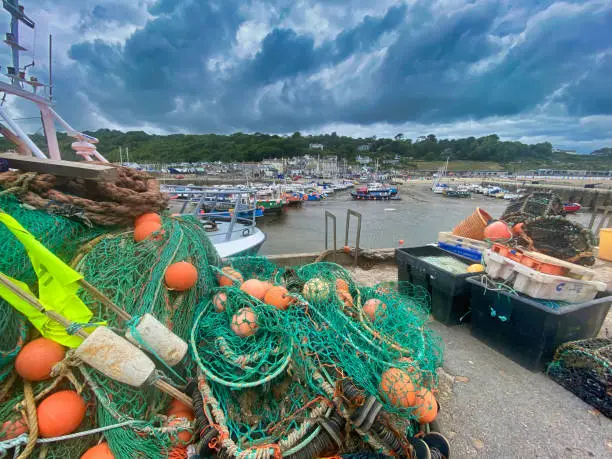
x,y
365,147
316,146
363,159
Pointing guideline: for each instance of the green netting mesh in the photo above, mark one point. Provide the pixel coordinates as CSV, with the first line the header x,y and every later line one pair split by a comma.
x,y
266,372
132,275
59,234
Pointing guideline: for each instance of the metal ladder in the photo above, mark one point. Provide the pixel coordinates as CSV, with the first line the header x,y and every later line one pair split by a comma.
x,y
332,217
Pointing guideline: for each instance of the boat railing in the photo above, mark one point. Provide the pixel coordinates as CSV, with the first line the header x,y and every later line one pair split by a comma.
x,y
242,198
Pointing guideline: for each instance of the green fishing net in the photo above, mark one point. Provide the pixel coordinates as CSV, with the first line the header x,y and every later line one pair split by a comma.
x,y
61,235
267,372
131,274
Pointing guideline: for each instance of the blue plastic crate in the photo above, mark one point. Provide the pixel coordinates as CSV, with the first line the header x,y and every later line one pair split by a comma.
x,y
472,254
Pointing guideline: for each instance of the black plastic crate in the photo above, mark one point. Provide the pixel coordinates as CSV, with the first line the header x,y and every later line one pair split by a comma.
x,y
527,331
450,294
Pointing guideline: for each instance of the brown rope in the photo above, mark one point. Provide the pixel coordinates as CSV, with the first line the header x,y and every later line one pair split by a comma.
x,y
6,387
104,203
32,419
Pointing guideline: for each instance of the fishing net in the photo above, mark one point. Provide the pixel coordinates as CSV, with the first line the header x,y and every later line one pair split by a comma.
x,y
585,368
59,234
559,238
276,380
540,204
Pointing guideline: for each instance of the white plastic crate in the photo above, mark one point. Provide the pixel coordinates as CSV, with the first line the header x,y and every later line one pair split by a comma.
x,y
496,266
539,285
556,288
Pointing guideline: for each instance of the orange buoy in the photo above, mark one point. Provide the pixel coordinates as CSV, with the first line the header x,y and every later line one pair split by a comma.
x,y
145,230
184,435
101,451
244,322
346,249
397,388
219,301
401,242
255,288
278,297
35,361
177,406
497,231
426,406
342,285
181,276
374,308
60,413
267,285
231,276
346,298
517,229
12,429
148,217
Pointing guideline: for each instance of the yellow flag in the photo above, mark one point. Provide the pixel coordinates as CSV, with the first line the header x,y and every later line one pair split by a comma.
x,y
57,288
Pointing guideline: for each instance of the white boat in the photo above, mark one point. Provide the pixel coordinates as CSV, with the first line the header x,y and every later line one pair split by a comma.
x,y
439,187
228,214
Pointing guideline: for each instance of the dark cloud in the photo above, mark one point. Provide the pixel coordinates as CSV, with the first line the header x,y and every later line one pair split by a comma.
x,y
424,63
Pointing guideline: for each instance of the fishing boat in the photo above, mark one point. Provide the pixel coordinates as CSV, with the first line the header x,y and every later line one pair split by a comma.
x,y
271,206
450,193
293,198
232,230
375,192
571,207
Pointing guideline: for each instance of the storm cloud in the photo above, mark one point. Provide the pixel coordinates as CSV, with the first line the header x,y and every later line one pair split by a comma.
x,y
529,70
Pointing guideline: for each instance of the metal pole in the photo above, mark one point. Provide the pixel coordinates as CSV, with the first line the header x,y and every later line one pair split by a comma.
x,y
15,49
22,135
50,67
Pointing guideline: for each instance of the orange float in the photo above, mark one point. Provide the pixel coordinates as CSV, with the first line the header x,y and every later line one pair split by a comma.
x,y
346,298
426,406
374,308
35,361
176,406
219,301
497,231
342,285
148,217
145,230
397,388
255,288
181,276
60,413
244,322
231,276
184,435
101,451
278,297
517,229
12,429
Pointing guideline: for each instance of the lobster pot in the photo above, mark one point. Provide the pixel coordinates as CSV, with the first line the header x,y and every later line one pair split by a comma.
x,y
473,226
116,357
151,334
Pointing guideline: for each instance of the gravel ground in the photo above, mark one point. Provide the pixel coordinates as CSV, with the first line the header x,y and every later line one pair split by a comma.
x,y
492,407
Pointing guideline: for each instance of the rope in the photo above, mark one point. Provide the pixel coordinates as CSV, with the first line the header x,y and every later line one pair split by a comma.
x,y
103,203
7,385
32,419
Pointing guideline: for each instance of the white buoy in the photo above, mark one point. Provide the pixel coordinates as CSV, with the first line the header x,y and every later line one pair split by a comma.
x,y
116,357
157,337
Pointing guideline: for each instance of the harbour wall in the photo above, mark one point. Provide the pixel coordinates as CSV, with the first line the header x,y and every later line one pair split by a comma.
x,y
586,197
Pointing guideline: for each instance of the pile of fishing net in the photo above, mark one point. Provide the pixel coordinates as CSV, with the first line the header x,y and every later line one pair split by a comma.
x,y
101,202
133,421
61,235
312,366
538,204
585,368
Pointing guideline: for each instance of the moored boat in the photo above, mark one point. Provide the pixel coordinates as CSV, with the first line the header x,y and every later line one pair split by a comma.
x,y
571,207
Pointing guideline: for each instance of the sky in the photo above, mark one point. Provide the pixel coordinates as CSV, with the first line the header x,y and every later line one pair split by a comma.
x,y
528,70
